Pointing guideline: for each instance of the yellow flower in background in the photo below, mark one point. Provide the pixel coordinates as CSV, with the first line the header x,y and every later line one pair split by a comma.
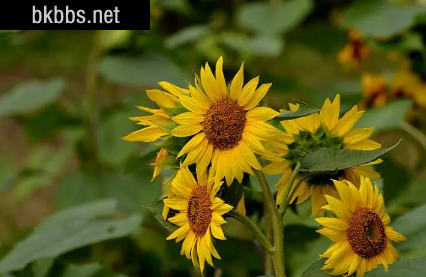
x,y
225,126
378,91
323,129
361,233
355,50
199,217
161,157
157,124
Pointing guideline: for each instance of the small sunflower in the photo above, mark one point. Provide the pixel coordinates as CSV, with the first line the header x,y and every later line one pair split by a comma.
x,y
323,129
159,123
199,217
355,50
225,126
361,233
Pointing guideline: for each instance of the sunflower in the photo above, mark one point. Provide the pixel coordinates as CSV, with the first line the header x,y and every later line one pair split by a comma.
x,y
361,233
225,127
355,50
323,129
158,124
199,217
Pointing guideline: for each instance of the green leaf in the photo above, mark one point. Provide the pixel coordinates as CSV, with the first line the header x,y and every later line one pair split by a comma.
x,y
264,18
68,230
172,144
186,35
112,149
157,210
412,225
49,267
30,95
127,189
259,45
145,71
391,116
381,18
407,268
304,110
329,160
314,270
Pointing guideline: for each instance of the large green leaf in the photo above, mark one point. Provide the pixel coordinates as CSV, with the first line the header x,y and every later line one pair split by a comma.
x,y
49,267
145,71
264,18
381,18
392,116
258,45
412,225
406,268
112,149
157,210
329,160
314,270
131,191
186,35
71,229
30,95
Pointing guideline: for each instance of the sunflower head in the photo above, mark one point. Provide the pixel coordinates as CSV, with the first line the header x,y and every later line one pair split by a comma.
x,y
224,125
323,129
361,233
355,50
199,215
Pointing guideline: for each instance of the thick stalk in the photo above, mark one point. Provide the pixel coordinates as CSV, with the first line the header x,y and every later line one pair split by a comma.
x,y
277,225
259,235
269,263
285,201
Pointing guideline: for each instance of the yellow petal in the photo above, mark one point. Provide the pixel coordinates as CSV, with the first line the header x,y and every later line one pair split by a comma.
x,y
220,78
262,114
338,208
357,135
217,232
332,234
191,105
148,134
188,118
257,96
179,219
332,223
192,144
330,113
182,231
173,89
394,235
248,91
347,121
162,98
210,85
237,84
187,130
366,144
200,98
176,203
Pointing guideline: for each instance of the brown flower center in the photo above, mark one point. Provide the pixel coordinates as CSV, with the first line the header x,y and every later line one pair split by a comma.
x,y
199,211
366,233
224,124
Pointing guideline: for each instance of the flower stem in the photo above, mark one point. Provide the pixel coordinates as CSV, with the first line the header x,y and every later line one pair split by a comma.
x,y
415,133
277,226
269,263
249,223
286,199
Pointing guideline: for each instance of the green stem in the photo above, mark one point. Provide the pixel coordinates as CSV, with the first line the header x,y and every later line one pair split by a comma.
x,y
249,223
277,226
269,263
90,112
286,200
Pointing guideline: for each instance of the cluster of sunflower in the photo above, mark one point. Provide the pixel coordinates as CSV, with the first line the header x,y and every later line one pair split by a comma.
x,y
217,133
